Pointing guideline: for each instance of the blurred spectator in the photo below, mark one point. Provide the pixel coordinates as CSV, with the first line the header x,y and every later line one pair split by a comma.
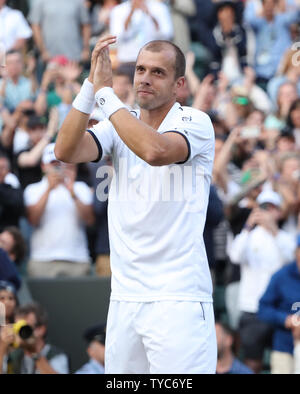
x,y
261,249
61,28
14,87
11,196
230,37
276,307
100,11
102,251
289,71
95,337
286,95
227,362
293,121
12,241
14,29
180,11
8,270
136,22
273,38
296,334
213,218
8,297
29,160
58,86
58,207
33,355
288,185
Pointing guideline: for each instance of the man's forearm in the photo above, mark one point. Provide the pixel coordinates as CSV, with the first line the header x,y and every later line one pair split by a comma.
x,y
36,211
44,367
70,135
86,35
140,138
37,35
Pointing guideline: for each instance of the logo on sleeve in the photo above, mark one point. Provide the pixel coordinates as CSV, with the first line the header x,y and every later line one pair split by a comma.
x,y
101,101
187,118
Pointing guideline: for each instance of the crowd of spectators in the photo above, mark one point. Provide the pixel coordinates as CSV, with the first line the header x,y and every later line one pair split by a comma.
x,y
243,69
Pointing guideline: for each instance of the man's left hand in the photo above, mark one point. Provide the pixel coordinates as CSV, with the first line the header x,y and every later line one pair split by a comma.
x,y
103,71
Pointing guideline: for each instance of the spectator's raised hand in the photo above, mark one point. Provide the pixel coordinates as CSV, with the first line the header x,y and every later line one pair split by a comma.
x,y
71,71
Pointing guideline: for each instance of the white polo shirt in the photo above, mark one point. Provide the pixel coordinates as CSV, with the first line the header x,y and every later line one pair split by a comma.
x,y
13,26
61,233
157,214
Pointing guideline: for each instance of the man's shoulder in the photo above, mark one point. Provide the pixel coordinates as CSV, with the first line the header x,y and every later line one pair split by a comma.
x,y
34,187
196,113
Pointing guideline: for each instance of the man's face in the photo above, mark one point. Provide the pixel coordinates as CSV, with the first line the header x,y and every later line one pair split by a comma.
x,y
96,351
36,134
154,80
269,6
7,243
9,300
14,65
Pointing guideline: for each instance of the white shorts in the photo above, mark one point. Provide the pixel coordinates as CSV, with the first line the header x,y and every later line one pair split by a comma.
x,y
162,337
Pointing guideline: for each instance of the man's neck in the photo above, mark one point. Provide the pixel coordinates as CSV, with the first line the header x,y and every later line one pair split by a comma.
x,y
155,117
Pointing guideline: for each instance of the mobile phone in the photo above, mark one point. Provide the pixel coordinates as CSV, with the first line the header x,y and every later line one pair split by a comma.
x,y
250,132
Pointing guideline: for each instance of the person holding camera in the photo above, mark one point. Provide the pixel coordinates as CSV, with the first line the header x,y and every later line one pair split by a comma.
x,y
32,354
58,207
261,249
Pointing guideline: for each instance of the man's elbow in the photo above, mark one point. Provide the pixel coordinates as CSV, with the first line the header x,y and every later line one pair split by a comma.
x,y
156,158
61,154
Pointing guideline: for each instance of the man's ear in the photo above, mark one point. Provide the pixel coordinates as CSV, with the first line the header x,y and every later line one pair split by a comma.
x,y
180,82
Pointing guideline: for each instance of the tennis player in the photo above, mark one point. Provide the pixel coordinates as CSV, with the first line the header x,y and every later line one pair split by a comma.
x,y
160,316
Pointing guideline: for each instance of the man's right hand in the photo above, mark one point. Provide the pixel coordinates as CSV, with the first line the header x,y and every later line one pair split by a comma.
x,y
54,179
7,336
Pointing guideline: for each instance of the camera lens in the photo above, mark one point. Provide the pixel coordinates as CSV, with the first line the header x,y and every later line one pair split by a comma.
x,y
25,332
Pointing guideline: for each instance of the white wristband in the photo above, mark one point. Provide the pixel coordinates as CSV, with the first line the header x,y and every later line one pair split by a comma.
x,y
108,101
85,100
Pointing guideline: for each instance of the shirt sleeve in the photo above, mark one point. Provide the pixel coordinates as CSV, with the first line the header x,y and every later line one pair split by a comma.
x,y
163,17
31,195
83,14
104,136
268,310
196,127
83,193
286,246
23,30
60,363
237,252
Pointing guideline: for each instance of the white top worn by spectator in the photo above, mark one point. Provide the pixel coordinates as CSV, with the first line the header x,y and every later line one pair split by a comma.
x,y
61,234
260,254
13,26
141,28
148,260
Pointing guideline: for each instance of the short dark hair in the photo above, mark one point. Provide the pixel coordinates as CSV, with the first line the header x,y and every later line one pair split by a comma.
x,y
19,247
159,45
39,312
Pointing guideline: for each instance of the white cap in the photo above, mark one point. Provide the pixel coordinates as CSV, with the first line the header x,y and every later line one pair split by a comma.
x,y
48,154
269,196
